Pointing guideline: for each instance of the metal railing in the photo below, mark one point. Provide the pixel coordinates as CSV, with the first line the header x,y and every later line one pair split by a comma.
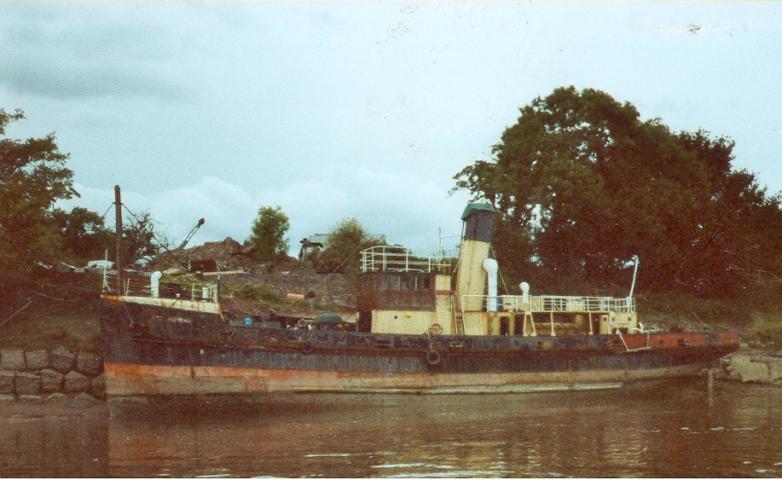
x,y
550,303
388,258
140,286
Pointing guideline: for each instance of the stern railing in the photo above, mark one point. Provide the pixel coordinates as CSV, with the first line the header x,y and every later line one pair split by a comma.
x,y
140,286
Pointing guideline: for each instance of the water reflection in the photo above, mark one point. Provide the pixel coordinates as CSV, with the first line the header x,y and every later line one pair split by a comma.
x,y
52,440
660,430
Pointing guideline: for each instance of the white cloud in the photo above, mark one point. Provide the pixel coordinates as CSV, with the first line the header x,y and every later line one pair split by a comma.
x,y
406,209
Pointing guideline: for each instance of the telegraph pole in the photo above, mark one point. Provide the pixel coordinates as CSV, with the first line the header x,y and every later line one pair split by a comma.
x,y
118,231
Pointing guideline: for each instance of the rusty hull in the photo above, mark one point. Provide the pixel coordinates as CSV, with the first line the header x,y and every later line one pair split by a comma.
x,y
151,349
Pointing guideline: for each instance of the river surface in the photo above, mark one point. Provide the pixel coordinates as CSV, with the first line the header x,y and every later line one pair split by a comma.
x,y
665,429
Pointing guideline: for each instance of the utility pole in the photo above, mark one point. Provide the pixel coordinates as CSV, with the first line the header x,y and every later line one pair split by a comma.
x,y
118,231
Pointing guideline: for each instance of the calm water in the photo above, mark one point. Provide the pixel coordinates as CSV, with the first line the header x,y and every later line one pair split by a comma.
x,y
660,430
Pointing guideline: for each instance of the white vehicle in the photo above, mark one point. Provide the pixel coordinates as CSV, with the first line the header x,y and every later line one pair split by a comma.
x,y
100,264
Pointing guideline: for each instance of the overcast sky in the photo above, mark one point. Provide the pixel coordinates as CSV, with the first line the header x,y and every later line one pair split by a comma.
x,y
354,109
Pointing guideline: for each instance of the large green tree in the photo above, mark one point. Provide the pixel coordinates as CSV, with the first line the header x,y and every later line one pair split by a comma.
x,y
344,243
582,183
268,233
33,176
84,235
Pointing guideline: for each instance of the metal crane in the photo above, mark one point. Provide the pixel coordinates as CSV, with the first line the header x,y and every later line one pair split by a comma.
x,y
190,235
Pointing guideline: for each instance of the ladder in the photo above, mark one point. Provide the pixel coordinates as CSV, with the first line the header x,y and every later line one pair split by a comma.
x,y
458,320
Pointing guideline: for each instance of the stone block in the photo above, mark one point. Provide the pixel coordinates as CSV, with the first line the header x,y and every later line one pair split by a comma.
x,y
62,359
56,397
36,360
89,363
75,382
84,397
51,380
27,384
7,382
31,398
12,359
755,372
98,386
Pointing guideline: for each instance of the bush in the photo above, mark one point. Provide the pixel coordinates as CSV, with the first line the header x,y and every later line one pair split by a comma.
x,y
258,293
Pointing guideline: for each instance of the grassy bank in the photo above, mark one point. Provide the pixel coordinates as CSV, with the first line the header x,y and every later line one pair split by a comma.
x,y
754,320
47,324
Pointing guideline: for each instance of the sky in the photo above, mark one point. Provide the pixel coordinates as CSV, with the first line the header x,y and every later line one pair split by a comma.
x,y
359,109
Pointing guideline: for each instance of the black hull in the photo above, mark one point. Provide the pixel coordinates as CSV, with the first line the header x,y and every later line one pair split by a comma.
x,y
151,349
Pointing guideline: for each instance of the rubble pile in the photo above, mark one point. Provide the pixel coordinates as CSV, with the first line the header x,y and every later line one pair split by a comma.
x,y
228,254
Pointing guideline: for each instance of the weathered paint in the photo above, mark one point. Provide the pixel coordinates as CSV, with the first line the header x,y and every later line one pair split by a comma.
x,y
471,278
150,349
186,380
173,303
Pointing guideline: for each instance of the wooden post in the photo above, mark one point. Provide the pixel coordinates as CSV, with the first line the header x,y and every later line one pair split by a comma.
x,y
118,232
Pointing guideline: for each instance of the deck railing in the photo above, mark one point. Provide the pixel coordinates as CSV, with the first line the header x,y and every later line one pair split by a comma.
x,y
140,286
551,303
389,258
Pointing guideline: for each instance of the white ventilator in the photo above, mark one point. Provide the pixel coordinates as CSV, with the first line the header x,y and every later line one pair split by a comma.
x,y
490,265
524,286
154,284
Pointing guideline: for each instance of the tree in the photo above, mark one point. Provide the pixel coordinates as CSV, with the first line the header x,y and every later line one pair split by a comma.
x,y
84,235
268,234
33,176
139,238
584,184
344,243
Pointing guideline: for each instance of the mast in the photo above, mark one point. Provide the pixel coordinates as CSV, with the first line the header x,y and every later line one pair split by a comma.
x,y
118,235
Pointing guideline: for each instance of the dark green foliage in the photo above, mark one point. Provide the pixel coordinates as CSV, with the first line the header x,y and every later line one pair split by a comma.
x,y
345,243
268,234
582,184
33,177
84,235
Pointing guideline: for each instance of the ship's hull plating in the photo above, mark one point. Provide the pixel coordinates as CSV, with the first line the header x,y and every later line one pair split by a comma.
x,y
152,350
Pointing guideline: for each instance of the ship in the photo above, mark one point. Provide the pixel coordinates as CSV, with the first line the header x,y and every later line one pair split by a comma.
x,y
423,325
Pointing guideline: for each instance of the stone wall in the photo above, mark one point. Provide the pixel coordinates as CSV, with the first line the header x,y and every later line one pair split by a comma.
x,y
55,374
751,366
